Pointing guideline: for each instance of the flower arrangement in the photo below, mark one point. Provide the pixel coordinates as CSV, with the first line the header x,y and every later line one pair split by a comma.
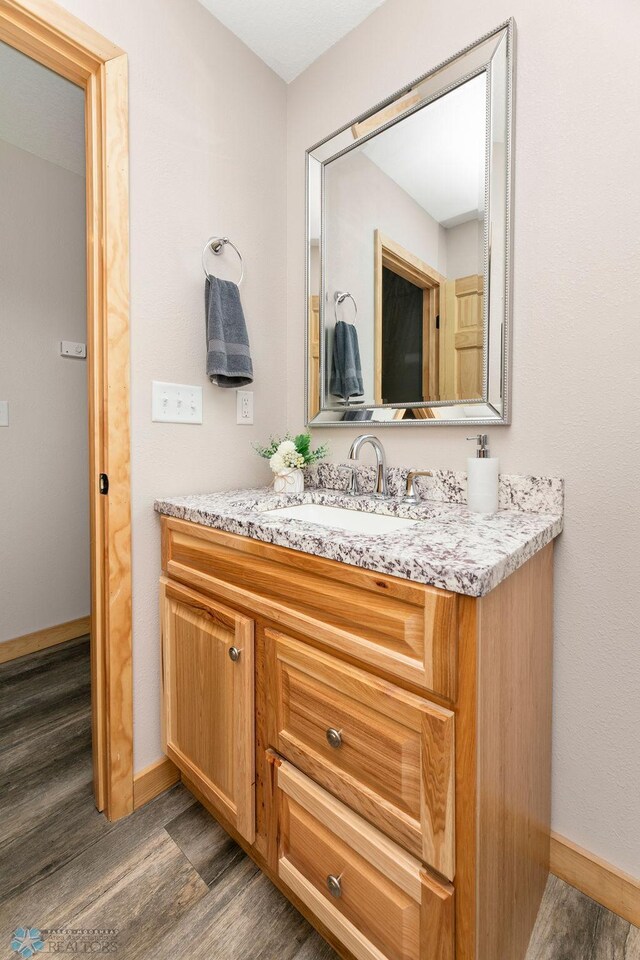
x,y
290,453
287,456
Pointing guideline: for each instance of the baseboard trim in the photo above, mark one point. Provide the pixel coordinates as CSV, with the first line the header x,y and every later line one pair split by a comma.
x,y
41,639
154,780
615,890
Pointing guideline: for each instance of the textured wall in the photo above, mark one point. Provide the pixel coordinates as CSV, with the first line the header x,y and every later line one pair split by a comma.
x,y
207,156
44,495
576,344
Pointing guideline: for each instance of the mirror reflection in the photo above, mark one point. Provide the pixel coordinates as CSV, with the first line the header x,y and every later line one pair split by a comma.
x,y
400,222
405,238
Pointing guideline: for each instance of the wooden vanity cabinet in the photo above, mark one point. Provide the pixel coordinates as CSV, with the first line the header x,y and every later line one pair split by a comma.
x,y
380,748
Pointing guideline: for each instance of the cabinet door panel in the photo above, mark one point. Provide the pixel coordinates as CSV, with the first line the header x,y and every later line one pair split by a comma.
x,y
208,700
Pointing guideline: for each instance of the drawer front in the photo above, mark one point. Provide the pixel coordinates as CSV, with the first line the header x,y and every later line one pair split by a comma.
x,y
405,629
385,752
370,893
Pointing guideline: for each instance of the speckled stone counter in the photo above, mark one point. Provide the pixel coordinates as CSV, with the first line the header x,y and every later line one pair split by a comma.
x,y
450,548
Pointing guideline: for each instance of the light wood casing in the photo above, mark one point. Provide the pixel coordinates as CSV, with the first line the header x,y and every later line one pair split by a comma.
x,y
51,35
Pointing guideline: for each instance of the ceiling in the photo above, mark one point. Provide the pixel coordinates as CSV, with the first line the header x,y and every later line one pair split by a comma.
x,y
40,111
290,34
437,155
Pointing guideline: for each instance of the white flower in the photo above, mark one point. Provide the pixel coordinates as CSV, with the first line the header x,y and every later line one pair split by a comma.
x,y
277,462
293,459
287,446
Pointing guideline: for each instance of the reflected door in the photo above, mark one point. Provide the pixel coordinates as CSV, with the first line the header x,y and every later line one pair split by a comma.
x,y
402,336
461,328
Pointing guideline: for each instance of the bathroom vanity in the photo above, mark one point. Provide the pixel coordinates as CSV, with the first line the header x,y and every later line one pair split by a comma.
x,y
369,714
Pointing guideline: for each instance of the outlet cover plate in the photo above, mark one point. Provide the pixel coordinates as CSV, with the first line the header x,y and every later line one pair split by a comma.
x,y
244,408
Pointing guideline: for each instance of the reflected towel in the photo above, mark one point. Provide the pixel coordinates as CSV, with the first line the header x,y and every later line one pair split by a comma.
x,y
228,352
357,415
346,374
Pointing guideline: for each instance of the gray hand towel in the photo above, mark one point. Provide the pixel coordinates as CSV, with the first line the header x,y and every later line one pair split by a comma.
x,y
346,374
357,415
228,353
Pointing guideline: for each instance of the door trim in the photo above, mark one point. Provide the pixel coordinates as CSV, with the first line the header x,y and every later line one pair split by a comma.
x,y
48,33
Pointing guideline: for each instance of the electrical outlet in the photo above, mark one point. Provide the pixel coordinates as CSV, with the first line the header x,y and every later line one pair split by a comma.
x,y
244,409
175,403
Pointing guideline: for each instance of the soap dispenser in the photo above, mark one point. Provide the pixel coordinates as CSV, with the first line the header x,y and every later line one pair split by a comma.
x,y
482,478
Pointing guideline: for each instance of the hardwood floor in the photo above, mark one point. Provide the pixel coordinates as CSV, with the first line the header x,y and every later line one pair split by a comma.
x,y
167,878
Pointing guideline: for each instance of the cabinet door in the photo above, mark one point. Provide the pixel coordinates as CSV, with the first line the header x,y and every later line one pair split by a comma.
x,y
208,700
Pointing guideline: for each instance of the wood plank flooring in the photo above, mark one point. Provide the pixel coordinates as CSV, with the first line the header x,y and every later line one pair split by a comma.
x,y
168,878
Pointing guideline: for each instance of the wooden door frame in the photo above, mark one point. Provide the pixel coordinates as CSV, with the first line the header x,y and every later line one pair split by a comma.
x,y
388,253
49,34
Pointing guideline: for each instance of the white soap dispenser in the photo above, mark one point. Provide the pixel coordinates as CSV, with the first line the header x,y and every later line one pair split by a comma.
x,y
482,478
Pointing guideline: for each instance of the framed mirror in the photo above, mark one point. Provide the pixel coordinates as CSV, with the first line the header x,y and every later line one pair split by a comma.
x,y
408,251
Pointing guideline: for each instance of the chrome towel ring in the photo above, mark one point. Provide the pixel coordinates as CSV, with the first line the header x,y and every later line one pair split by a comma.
x,y
217,245
339,297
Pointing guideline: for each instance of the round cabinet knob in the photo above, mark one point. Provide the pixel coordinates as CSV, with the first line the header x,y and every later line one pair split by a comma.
x,y
334,737
334,886
234,654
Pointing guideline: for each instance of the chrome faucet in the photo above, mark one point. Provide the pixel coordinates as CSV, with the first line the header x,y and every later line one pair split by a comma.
x,y
381,463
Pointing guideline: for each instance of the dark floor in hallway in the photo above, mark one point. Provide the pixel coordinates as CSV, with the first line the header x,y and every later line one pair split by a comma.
x,y
168,878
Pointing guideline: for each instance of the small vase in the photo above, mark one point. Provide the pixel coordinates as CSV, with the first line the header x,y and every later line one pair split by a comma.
x,y
289,481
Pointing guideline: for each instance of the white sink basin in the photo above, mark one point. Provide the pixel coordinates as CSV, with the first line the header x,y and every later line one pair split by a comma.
x,y
354,520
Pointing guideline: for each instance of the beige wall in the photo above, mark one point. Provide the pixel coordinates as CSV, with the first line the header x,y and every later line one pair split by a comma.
x,y
576,386
207,156
44,507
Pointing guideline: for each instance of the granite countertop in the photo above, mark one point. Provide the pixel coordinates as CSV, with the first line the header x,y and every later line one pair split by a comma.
x,y
450,548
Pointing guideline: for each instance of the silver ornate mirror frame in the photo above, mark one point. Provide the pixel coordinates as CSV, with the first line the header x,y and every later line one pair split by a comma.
x,y
494,56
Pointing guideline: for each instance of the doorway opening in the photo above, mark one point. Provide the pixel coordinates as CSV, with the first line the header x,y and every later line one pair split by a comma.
x,y
406,325
58,41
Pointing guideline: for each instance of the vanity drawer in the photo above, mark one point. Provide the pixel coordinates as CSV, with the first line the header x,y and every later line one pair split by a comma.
x,y
385,752
403,629
375,897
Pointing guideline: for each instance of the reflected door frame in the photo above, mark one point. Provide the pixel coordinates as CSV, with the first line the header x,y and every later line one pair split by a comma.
x,y
387,253
49,34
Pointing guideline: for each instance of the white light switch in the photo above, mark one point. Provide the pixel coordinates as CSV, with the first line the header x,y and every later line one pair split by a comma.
x,y
244,408
69,348
175,403
4,413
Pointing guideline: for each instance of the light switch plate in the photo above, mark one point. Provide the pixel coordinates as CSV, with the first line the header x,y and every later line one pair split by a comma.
x,y
175,403
69,348
4,413
244,408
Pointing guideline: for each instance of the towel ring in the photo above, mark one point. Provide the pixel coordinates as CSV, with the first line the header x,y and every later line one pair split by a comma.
x,y
216,245
339,297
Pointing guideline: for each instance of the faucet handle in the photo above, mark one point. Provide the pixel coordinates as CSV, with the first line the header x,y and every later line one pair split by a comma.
x,y
410,496
353,483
